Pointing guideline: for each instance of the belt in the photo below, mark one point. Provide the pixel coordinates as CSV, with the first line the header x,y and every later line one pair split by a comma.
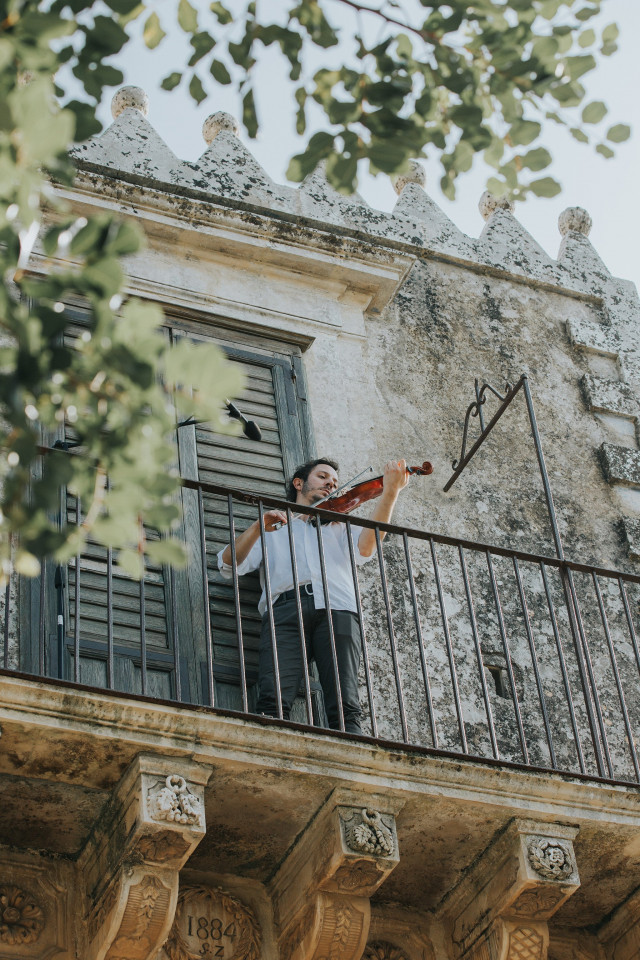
x,y
291,594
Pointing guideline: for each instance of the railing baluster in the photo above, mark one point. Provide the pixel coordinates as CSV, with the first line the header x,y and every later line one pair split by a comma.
x,y
7,599
272,627
563,669
632,631
236,604
392,639
303,642
450,657
76,605
110,656
363,639
175,630
143,635
478,649
332,638
592,682
616,675
208,637
507,657
423,659
534,661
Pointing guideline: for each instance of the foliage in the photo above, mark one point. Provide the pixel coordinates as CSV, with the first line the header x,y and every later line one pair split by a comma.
x,y
422,77
119,390
461,79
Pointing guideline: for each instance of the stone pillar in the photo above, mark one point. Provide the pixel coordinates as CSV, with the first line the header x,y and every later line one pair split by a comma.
x,y
500,909
131,864
321,892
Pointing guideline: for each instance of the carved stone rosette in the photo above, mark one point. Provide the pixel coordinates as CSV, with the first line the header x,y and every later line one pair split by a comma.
x,y
21,918
211,923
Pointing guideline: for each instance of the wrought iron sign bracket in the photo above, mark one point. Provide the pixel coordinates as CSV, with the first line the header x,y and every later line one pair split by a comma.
x,y
475,410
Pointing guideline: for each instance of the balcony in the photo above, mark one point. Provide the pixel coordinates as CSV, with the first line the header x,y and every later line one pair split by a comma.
x,y
499,694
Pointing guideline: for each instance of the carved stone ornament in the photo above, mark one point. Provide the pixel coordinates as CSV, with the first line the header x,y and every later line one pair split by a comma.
x,y
550,858
359,877
21,919
160,847
342,931
367,831
175,803
142,921
525,943
210,923
538,903
383,950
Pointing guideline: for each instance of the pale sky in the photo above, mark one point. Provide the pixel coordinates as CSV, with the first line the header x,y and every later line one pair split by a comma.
x,y
608,189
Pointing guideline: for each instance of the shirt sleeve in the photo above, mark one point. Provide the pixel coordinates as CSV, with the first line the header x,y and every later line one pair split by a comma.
x,y
250,563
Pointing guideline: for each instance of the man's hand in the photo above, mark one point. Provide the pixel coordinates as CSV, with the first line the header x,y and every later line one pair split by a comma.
x,y
395,477
273,520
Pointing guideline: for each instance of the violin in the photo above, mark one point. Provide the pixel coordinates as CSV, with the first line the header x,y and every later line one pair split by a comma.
x,y
365,491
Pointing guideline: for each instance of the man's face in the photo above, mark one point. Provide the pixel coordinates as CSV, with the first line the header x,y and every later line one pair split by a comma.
x,y
322,481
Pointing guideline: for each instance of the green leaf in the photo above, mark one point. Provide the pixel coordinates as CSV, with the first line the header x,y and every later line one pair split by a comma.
x,y
524,132
605,151
171,81
594,112
578,135
219,72
249,116
131,563
170,552
536,159
196,89
153,33
610,33
576,67
187,17
619,133
221,13
587,38
546,187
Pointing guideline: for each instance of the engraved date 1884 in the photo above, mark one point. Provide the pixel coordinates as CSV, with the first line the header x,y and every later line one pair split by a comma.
x,y
212,933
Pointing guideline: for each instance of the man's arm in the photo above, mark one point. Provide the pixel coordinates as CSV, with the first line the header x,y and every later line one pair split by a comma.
x,y
248,537
394,479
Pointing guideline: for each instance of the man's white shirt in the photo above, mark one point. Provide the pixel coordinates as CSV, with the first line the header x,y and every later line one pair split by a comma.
x,y
336,555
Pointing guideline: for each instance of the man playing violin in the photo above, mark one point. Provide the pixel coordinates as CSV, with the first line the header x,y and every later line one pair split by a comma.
x,y
311,483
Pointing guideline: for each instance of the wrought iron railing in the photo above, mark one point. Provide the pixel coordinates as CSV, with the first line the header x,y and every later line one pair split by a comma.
x,y
466,648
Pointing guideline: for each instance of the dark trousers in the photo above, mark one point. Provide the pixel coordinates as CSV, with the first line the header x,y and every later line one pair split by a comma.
x,y
318,647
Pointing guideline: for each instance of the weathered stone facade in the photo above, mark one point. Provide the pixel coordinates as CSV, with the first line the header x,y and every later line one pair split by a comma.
x,y
139,830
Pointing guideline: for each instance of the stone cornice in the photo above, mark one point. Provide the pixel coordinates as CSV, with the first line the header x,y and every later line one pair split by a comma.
x,y
50,712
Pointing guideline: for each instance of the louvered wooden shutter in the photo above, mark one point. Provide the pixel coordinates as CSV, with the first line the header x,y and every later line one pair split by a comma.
x,y
271,398
125,607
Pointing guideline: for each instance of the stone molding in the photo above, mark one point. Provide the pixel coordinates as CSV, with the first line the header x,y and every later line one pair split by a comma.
x,y
500,909
131,864
321,893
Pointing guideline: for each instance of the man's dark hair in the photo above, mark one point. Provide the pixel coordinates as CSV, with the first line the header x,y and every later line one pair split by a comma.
x,y
302,473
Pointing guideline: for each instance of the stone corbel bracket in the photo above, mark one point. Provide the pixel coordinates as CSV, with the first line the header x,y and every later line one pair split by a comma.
x,y
132,861
321,891
501,907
